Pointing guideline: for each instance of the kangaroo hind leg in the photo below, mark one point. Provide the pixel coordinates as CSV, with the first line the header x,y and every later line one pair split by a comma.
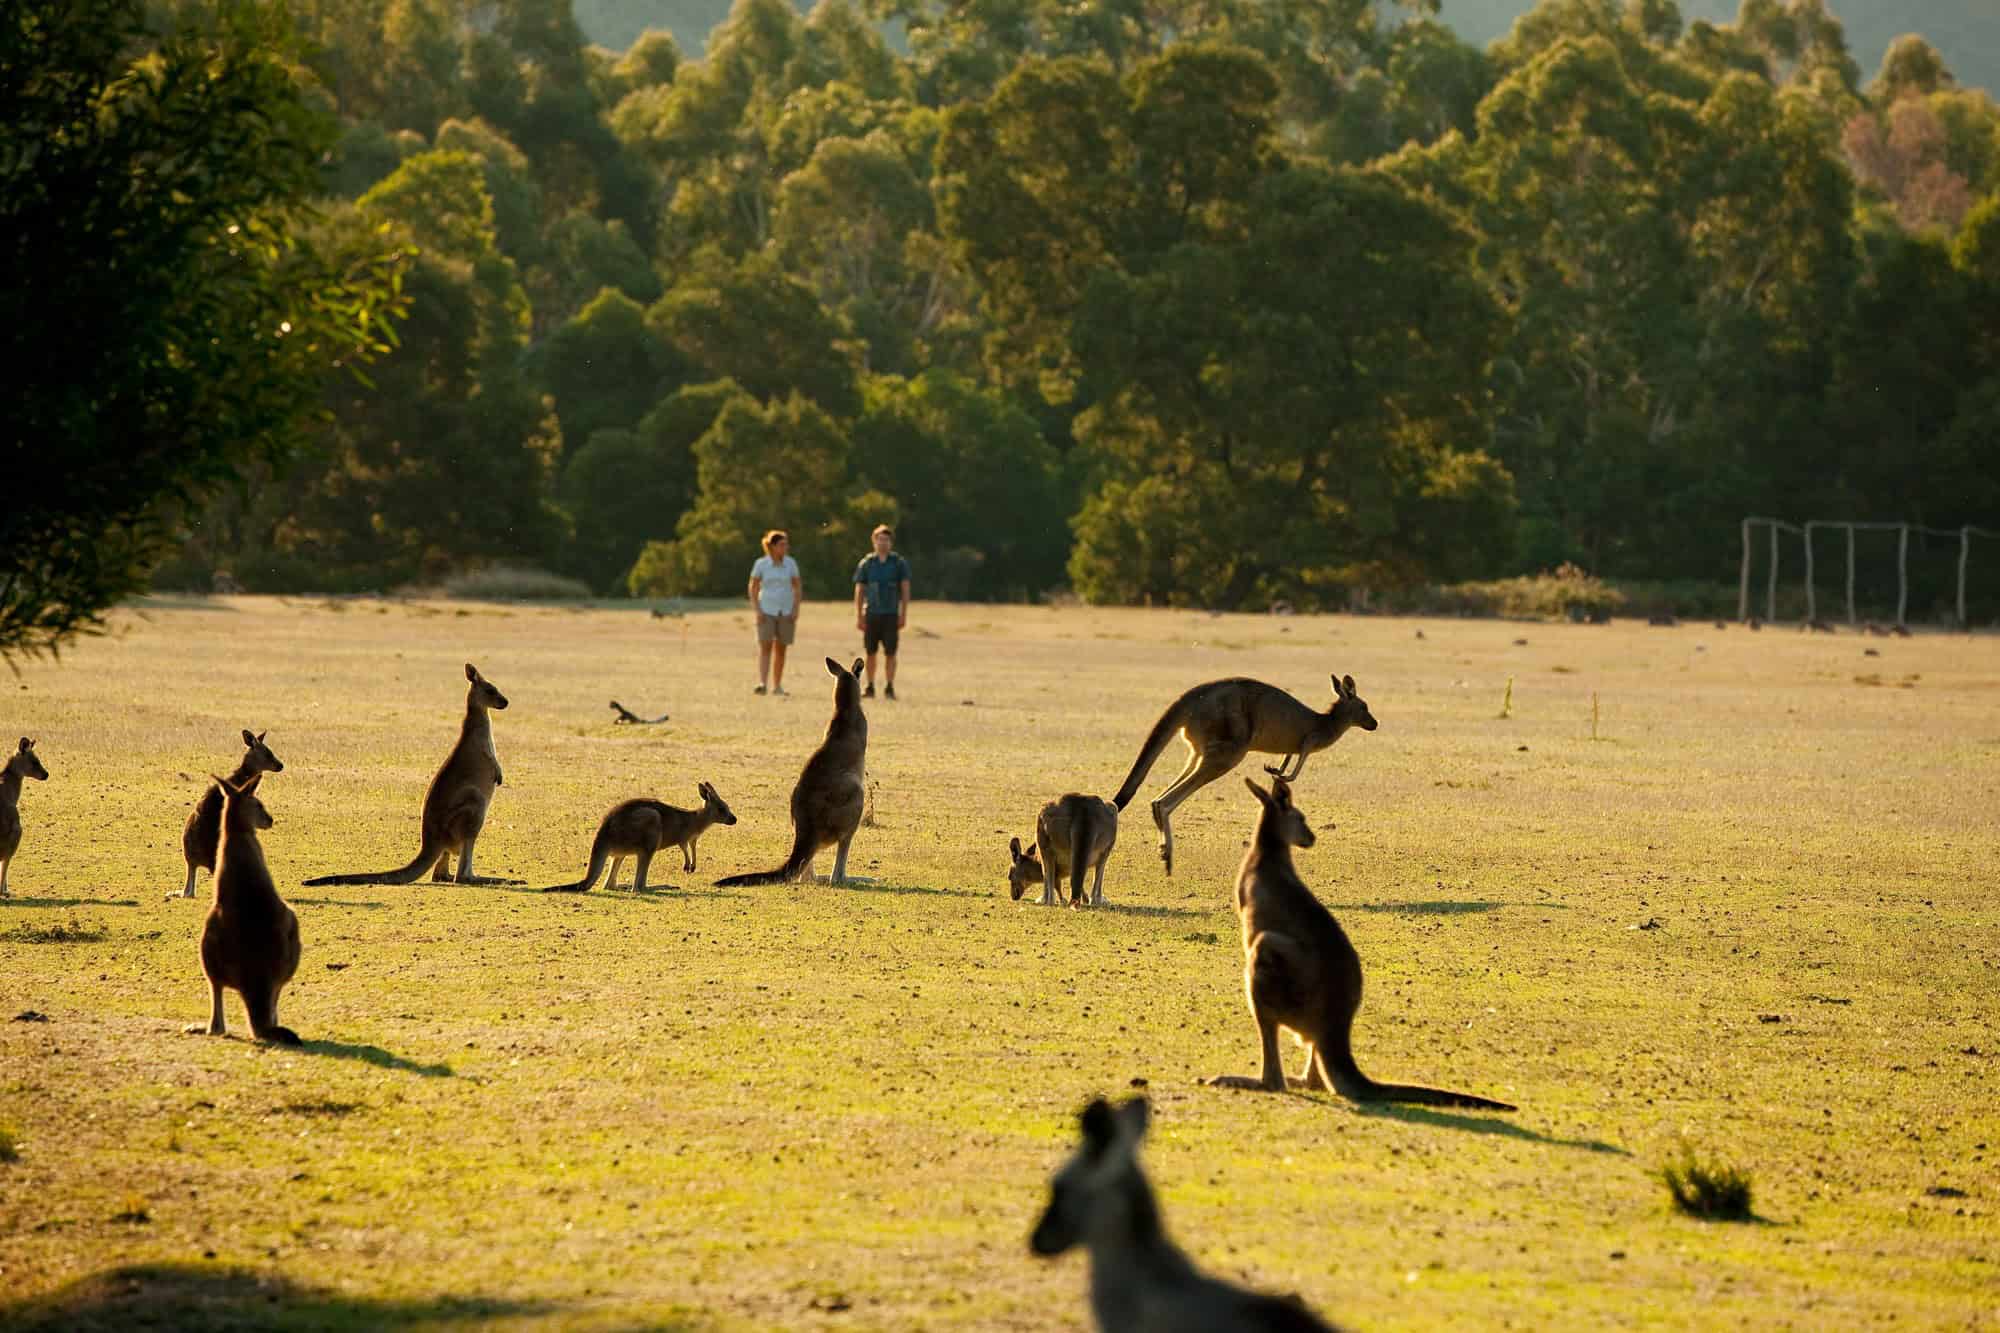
x,y
262,1003
1203,768
215,1026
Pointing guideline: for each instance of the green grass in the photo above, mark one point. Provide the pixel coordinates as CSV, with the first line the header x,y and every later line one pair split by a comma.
x,y
739,1109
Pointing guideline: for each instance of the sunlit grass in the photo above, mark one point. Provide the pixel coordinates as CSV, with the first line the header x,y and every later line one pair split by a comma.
x,y
1757,916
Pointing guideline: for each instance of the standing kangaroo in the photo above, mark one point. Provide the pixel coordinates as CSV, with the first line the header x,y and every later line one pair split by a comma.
x,y
1226,719
251,941
21,764
203,832
1300,972
1073,834
640,828
1139,1279
455,803
827,799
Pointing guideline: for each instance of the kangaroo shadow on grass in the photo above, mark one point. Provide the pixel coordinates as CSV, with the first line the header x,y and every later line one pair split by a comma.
x,y
68,902
1142,909
652,893
1480,1124
337,902
374,1055
166,1295
867,886
1434,907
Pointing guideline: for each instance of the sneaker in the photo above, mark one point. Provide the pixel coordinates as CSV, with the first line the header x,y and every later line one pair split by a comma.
x,y
888,691
777,689
758,690
868,691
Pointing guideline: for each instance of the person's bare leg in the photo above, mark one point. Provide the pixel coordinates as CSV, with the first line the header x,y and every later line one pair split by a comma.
x,y
888,669
764,647
777,665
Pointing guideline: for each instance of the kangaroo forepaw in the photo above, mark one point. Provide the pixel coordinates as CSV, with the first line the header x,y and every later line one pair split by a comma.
x,y
1241,1082
203,1030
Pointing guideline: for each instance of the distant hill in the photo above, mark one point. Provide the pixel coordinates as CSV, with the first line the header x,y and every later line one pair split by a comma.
x,y
1966,32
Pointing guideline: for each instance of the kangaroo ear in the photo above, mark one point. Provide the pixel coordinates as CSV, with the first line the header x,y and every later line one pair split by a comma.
x,y
248,739
1014,847
222,784
251,785
262,734
1347,683
833,668
1133,1117
26,745
1263,797
1100,1129
471,671
858,664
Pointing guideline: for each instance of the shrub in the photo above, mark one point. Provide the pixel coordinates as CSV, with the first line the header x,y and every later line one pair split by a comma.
x,y
515,583
1711,1190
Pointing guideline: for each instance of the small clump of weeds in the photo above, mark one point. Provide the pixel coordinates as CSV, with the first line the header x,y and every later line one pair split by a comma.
x,y
70,932
10,1143
137,1211
1710,1189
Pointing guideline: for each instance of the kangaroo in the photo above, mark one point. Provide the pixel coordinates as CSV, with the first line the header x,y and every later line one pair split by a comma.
x,y
627,716
1073,834
203,832
1226,719
640,828
827,799
456,801
1139,1279
251,941
1301,972
23,763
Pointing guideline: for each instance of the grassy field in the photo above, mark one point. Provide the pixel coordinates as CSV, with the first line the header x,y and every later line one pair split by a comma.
x,y
1756,914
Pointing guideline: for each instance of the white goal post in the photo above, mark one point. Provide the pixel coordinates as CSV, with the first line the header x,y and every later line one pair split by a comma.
x,y
1806,530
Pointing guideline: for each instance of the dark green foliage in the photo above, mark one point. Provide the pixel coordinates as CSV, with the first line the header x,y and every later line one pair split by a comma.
x,y
166,323
1714,1191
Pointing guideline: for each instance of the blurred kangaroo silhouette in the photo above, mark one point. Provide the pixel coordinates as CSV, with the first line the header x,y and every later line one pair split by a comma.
x,y
455,803
1301,972
23,763
1226,719
1073,833
1140,1281
640,828
203,832
828,797
251,941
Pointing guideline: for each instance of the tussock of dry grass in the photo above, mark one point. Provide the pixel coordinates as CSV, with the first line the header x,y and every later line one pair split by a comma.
x,y
744,1109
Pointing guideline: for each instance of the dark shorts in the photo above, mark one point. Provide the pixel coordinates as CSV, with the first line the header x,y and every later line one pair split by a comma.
x,y
880,633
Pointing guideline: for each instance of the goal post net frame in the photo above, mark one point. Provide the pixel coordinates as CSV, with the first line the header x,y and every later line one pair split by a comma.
x,y
1776,526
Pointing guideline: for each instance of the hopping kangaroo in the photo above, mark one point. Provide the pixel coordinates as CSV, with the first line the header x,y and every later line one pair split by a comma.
x,y
640,828
827,799
455,803
1139,1279
21,764
1072,834
1300,971
1226,719
203,833
251,941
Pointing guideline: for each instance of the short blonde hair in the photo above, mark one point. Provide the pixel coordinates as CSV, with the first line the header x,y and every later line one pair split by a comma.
x,y
883,530
773,537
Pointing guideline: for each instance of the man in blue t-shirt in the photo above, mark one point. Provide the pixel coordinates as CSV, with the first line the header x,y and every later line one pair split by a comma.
x,y
881,606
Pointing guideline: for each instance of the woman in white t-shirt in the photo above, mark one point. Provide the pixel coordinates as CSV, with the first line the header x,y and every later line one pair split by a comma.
x,y
775,594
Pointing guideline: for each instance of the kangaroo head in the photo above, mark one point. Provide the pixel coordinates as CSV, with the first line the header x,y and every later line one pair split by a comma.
x,y
1281,819
260,756
1101,1188
713,805
27,763
1026,869
1349,709
483,694
846,686
240,807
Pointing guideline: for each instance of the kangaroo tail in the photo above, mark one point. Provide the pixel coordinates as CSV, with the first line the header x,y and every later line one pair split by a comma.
x,y
1079,847
599,854
1339,1069
409,874
1156,741
803,847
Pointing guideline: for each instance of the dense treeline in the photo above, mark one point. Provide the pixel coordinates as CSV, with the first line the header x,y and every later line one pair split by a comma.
x,y
1214,303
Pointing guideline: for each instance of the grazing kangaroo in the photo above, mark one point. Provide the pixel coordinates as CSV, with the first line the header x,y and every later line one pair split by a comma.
x,y
455,803
1226,719
630,718
640,828
1301,972
1139,1279
1073,834
21,764
203,833
827,799
251,941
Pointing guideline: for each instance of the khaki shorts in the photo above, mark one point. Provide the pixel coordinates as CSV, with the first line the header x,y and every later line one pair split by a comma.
x,y
780,628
